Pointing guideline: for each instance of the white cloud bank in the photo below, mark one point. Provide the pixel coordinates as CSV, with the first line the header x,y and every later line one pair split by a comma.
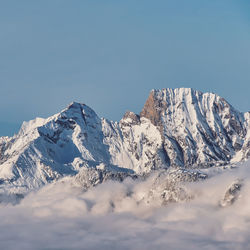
x,y
110,216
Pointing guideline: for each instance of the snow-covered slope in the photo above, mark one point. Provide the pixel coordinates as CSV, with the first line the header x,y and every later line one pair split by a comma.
x,y
198,129
179,128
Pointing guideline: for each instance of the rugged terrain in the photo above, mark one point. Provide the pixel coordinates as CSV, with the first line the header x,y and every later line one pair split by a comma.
x,y
177,129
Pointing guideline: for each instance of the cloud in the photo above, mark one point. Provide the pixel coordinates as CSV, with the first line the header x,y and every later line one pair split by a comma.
x,y
127,216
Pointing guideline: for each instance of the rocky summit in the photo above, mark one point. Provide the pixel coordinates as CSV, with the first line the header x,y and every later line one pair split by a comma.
x,y
177,128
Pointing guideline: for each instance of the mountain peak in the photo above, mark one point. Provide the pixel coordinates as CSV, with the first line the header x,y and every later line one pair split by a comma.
x,y
189,119
176,91
183,128
77,110
75,105
161,99
131,115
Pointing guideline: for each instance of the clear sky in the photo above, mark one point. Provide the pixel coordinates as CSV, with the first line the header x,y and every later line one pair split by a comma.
x,y
110,54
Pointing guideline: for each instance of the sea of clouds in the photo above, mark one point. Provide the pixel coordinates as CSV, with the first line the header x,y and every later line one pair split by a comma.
x,y
110,216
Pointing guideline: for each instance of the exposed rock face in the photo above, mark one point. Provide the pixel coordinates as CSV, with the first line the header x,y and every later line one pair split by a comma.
x,y
90,177
180,128
135,119
153,108
245,150
169,186
143,143
160,186
232,194
197,129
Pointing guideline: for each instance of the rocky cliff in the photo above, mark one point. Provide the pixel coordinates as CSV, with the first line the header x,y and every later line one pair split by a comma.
x,y
179,128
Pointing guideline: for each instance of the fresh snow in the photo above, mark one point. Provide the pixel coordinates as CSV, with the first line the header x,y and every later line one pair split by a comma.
x,y
194,130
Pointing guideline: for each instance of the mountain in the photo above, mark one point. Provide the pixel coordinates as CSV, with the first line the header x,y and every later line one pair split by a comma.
x,y
179,128
198,129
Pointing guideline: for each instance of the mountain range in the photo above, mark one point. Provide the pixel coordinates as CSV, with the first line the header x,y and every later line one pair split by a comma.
x,y
181,129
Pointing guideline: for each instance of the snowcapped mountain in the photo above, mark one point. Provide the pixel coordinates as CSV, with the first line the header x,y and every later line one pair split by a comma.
x,y
198,129
177,127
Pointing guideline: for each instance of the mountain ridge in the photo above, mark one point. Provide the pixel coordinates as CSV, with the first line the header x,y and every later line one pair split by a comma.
x,y
180,128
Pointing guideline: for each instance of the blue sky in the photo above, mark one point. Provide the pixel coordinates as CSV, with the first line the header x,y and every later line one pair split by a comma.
x,y
110,54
